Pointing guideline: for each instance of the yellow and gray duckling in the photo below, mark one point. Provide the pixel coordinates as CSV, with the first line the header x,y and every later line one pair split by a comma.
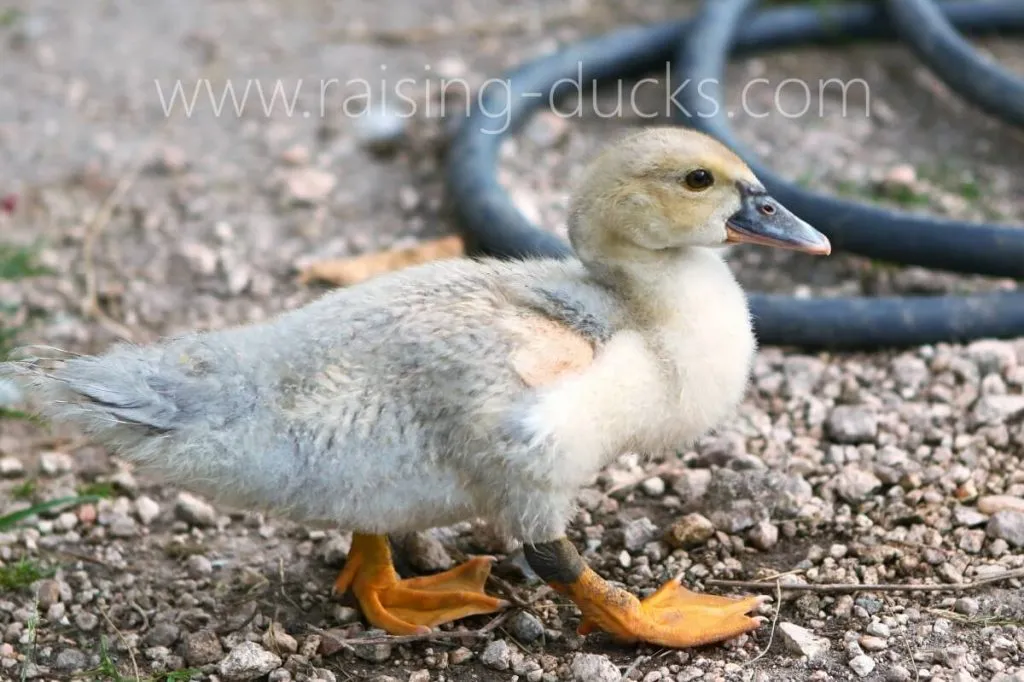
x,y
467,389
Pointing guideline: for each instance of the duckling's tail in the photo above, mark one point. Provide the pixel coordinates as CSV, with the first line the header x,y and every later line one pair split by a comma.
x,y
141,401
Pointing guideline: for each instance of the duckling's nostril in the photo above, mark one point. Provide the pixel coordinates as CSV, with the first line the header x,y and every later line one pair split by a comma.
x,y
766,208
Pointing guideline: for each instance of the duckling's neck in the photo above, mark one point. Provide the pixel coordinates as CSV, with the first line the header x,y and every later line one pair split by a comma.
x,y
656,286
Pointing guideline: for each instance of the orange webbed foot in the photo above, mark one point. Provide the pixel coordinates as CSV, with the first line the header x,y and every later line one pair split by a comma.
x,y
415,605
672,617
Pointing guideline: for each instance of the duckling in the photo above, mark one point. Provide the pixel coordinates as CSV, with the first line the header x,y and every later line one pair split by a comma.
x,y
461,389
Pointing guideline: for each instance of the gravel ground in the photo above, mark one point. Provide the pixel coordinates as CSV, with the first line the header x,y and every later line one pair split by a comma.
x,y
839,469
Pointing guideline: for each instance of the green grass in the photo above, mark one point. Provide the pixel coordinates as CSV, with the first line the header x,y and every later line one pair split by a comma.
x,y
22,573
970,190
9,16
104,489
26,571
177,675
19,262
16,262
30,630
903,195
107,671
21,415
9,521
24,491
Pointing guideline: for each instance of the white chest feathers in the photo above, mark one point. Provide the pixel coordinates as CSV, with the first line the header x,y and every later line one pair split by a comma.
x,y
660,386
706,346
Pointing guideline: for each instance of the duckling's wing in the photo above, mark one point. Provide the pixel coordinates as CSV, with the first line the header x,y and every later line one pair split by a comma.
x,y
564,319
546,350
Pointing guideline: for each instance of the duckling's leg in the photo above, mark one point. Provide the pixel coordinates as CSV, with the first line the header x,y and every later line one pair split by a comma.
x,y
412,606
673,616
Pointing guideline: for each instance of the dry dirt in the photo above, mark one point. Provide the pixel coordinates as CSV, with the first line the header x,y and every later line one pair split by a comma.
x,y
884,468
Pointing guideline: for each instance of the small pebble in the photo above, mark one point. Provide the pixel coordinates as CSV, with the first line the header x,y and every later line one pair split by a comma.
x,y
872,643
163,635
738,516
427,554
194,511
307,186
345,615
901,176
56,612
146,509
692,484
654,486
124,480
594,668
375,653
526,627
380,132
296,155
70,661
248,661
993,504
802,642
852,424
863,665
11,467
1008,526
967,606
638,533
123,526
497,655
55,463
331,642
86,622
689,531
764,535
878,629
277,640
198,566
202,648
335,549
968,517
48,593
855,484
170,160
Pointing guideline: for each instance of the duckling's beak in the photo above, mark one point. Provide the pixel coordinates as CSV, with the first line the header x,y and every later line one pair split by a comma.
x,y
763,220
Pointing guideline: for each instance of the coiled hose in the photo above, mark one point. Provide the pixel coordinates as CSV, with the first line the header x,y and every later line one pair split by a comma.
x,y
698,49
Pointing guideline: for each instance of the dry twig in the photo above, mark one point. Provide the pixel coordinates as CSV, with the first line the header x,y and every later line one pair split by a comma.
x,y
427,637
634,665
90,303
120,635
847,588
775,624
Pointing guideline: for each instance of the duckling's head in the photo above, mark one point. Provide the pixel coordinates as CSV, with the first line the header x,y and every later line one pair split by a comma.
x,y
665,189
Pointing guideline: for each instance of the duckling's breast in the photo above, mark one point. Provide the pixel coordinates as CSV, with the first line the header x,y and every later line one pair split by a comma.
x,y
706,346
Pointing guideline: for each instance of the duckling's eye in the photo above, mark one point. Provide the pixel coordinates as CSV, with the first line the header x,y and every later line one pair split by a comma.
x,y
699,179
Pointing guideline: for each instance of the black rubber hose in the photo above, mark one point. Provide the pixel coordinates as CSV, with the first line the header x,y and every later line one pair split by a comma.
x,y
935,41
870,231
491,224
